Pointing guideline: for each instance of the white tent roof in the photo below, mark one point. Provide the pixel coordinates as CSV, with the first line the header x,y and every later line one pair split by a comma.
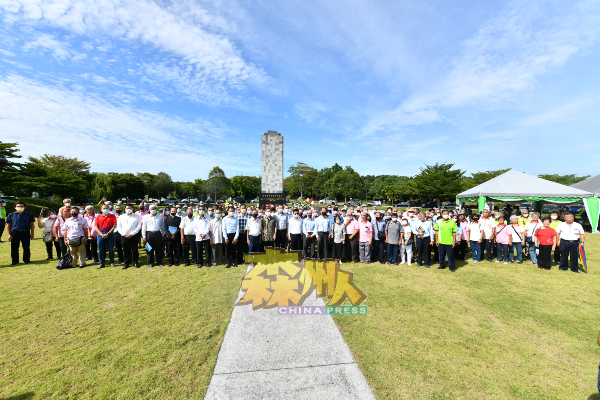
x,y
518,184
590,184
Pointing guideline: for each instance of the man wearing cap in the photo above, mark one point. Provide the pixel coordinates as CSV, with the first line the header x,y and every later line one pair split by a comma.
x,y
2,217
20,228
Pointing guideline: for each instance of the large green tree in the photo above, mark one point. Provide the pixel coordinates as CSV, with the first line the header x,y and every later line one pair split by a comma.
x,y
163,184
48,181
301,179
8,167
324,175
73,165
102,186
346,183
127,186
567,180
439,181
217,183
480,177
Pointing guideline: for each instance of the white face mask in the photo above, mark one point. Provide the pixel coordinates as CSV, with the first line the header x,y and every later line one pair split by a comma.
x,y
525,215
404,223
129,211
67,204
445,216
52,216
553,217
230,213
268,214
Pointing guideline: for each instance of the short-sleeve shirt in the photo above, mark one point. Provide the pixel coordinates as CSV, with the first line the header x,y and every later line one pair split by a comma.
x,y
105,222
352,227
20,222
75,227
569,232
545,236
393,230
475,230
365,231
446,229
503,234
521,233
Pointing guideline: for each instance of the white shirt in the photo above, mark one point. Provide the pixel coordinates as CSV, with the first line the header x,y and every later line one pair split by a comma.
x,y
513,230
254,226
48,224
152,224
187,225
474,231
129,224
215,228
295,227
487,226
282,220
533,226
567,232
202,227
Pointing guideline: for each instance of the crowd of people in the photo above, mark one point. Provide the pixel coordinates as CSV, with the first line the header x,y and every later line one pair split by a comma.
x,y
210,235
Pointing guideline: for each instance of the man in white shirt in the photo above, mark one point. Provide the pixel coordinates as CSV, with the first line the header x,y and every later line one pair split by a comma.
x,y
129,226
569,236
253,232
282,228
153,233
295,231
488,227
203,240
531,227
188,236
218,243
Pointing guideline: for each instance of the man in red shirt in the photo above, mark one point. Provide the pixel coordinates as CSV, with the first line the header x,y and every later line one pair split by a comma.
x,y
105,226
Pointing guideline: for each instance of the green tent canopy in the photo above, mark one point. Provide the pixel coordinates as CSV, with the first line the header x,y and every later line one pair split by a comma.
x,y
592,204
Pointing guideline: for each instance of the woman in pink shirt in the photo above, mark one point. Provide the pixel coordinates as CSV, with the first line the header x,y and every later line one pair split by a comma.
x,y
503,238
58,229
91,247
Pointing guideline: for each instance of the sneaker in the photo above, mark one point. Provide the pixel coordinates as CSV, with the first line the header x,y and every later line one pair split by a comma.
x,y
427,266
403,262
519,262
497,261
505,262
475,262
409,264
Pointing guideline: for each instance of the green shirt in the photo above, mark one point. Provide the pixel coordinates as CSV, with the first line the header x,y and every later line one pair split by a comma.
x,y
554,224
446,228
2,212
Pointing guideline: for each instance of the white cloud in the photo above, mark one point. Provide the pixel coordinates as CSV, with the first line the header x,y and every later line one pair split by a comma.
x,y
54,120
7,53
46,41
311,112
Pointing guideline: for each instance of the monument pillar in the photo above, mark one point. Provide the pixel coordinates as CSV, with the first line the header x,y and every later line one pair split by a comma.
x,y
272,169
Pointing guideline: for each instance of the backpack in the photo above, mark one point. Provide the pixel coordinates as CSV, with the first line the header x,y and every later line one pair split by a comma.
x,y
65,262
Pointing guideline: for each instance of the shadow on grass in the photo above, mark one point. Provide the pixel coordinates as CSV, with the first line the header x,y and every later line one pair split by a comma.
x,y
594,396
23,396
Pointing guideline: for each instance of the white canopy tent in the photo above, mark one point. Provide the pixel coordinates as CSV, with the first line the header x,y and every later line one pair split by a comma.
x,y
513,186
592,204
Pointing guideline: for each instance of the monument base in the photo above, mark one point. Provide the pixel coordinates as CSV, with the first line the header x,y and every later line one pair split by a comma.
x,y
271,198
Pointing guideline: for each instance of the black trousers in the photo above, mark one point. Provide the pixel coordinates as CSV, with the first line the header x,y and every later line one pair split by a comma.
x,y
353,256
569,249
189,242
486,246
20,238
118,247
2,225
155,240
379,249
436,255
130,249
281,238
296,241
422,250
460,250
174,249
322,245
309,247
545,257
557,254
204,246
63,246
241,247
91,249
49,249
229,250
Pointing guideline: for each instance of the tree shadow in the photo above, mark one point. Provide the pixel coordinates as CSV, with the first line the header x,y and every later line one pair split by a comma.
x,y
594,396
22,396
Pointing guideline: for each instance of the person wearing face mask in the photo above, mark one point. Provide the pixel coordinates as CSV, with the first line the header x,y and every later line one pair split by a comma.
x,y
365,239
188,236
474,236
111,210
555,220
253,232
308,228
58,232
3,218
48,234
153,233
488,227
445,230
173,240
331,215
118,243
74,231
142,212
105,225
91,247
545,239
230,228
423,232
339,237
269,229
282,228
462,236
129,225
20,227
67,205
295,231
393,236
405,243
352,231
379,246
323,227
218,242
202,228
242,244
531,228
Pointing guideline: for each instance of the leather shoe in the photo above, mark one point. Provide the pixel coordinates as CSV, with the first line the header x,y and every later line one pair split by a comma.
x,y
200,266
235,265
228,266
100,266
125,266
136,265
441,267
151,265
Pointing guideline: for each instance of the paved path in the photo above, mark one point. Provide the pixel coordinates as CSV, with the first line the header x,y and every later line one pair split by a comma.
x,y
269,356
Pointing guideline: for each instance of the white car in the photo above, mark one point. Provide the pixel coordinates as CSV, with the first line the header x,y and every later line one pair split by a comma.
x,y
374,203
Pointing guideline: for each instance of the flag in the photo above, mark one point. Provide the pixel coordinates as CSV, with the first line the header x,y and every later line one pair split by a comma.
x,y
582,257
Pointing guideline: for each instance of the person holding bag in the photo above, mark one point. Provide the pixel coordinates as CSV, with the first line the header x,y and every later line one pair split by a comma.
x,y
545,238
503,238
531,228
517,240
74,232
47,224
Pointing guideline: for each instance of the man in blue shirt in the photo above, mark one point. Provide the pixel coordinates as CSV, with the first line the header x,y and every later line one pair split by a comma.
x,y
379,246
308,231
230,227
20,227
423,232
323,227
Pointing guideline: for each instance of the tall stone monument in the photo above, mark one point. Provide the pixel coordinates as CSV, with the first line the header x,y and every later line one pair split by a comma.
x,y
272,169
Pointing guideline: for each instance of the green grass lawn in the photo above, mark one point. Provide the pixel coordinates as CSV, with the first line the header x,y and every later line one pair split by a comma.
x,y
110,334
488,331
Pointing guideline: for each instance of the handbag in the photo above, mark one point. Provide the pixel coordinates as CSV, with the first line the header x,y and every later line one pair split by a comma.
x,y
65,262
75,242
529,239
47,236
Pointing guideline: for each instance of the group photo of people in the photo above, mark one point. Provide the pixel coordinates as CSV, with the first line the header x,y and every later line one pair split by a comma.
x,y
206,235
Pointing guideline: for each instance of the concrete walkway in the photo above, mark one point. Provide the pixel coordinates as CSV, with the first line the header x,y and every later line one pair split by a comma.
x,y
269,356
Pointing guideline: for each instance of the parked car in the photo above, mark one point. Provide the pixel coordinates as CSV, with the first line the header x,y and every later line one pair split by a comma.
x,y
170,200
525,206
449,206
374,203
239,199
255,200
430,204
328,202
354,203
576,209
403,204
550,208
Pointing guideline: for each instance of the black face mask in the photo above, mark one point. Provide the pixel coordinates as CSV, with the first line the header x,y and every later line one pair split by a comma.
x,y
119,211
190,215
323,213
255,215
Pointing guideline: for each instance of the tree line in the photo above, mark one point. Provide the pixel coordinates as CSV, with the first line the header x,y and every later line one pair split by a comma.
x,y
60,176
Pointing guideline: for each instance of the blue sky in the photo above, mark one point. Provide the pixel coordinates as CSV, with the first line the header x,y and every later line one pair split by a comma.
x,y
143,86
